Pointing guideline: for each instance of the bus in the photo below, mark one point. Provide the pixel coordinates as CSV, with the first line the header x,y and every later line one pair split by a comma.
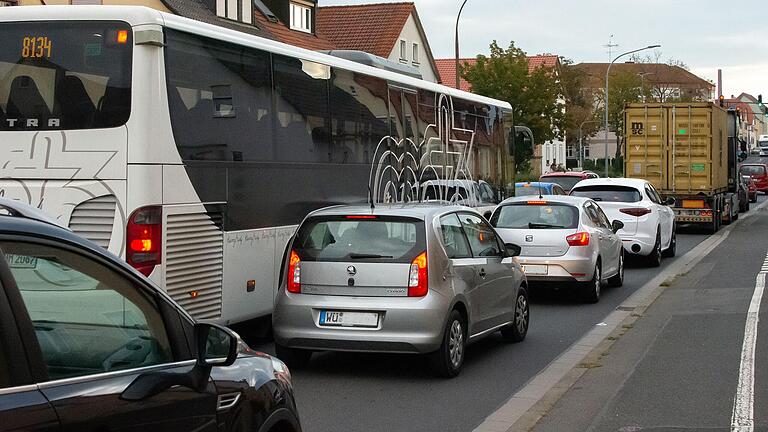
x,y
193,151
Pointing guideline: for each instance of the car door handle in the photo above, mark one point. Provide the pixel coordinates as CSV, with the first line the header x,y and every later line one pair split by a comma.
x,y
482,273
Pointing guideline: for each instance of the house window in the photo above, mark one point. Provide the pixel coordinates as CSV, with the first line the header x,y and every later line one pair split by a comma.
x,y
415,55
403,51
301,17
236,10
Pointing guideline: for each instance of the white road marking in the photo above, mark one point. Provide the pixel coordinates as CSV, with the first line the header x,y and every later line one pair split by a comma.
x,y
743,419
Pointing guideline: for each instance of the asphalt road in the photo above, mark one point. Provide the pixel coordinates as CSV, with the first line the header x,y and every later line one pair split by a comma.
x,y
677,368
378,392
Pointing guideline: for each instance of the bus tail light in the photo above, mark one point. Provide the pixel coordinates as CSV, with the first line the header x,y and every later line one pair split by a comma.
x,y
417,277
578,239
144,238
294,274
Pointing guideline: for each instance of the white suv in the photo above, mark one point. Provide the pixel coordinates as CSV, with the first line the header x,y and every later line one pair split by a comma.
x,y
649,222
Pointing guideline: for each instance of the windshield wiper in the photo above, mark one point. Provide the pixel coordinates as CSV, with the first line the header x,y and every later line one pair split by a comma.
x,y
364,256
543,225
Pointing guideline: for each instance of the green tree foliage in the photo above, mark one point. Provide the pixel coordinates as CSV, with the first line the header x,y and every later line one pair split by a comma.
x,y
534,97
579,106
623,88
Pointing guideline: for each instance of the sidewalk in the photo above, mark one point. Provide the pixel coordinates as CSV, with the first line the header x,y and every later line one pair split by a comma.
x,y
677,366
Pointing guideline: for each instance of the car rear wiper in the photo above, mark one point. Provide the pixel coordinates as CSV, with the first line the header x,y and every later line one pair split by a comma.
x,y
364,256
543,225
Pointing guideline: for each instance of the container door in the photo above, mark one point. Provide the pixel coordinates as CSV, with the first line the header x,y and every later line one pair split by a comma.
x,y
646,145
691,151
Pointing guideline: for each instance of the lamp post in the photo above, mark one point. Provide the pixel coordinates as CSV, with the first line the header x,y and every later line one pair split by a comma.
x,y
581,146
458,77
606,95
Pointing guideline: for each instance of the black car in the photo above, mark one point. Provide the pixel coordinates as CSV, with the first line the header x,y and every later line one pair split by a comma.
x,y
87,343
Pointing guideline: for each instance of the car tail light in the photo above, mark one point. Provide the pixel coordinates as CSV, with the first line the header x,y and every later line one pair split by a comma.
x,y
536,202
361,217
635,211
144,238
578,239
294,273
417,278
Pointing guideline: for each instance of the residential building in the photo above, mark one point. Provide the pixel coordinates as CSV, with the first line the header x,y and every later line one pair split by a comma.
x,y
287,21
389,30
753,118
658,82
546,153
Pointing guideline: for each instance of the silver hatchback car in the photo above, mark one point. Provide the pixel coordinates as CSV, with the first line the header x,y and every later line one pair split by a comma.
x,y
406,279
563,239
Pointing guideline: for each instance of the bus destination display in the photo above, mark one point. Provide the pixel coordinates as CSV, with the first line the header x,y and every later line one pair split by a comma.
x,y
36,47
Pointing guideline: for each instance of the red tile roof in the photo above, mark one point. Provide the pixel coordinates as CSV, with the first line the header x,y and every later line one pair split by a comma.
x,y
447,68
282,33
373,28
656,73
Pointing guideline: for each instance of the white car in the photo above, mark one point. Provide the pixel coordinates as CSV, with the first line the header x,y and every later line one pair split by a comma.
x,y
563,240
649,222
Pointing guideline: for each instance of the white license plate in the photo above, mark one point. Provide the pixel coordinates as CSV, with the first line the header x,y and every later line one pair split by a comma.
x,y
21,261
348,319
533,269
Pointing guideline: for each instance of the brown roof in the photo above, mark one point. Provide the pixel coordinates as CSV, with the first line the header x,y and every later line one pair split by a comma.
x,y
373,28
447,68
282,33
654,73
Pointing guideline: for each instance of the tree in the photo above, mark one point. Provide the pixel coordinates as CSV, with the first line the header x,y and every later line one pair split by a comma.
x,y
579,102
623,88
534,96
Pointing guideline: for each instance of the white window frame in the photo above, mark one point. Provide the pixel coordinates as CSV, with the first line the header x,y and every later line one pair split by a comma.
x,y
403,51
301,17
415,53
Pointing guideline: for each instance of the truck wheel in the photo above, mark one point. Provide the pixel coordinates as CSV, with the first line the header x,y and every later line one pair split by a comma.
x,y
654,258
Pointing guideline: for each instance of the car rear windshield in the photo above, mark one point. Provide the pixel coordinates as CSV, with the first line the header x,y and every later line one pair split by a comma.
x,y
567,182
64,75
753,169
531,190
608,193
347,238
536,216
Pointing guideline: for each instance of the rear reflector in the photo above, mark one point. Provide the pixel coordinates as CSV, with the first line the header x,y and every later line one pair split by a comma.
x,y
635,211
417,277
361,217
693,203
578,239
293,277
143,235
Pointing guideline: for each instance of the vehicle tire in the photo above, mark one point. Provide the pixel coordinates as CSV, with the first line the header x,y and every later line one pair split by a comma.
x,y
592,288
516,331
654,258
672,249
448,359
293,357
754,200
617,280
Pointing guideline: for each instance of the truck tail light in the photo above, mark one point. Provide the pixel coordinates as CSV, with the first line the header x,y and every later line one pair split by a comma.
x,y
635,211
417,278
143,238
578,239
294,274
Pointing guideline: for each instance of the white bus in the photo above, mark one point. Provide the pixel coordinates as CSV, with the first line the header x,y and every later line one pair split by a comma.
x,y
193,151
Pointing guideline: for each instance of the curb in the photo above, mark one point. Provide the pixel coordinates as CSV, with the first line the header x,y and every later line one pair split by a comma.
x,y
524,409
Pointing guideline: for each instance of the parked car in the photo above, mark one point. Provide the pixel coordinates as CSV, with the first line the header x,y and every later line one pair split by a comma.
x,y
751,187
538,188
758,172
564,240
566,179
649,223
88,343
743,193
413,278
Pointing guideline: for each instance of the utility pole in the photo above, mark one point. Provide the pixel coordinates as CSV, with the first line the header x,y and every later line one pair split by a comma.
x,y
458,76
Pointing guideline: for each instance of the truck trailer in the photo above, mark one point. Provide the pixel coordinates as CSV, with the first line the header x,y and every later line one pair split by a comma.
x,y
684,150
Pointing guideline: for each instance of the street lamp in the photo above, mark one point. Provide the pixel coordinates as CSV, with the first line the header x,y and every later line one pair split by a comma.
x,y
458,77
606,95
581,146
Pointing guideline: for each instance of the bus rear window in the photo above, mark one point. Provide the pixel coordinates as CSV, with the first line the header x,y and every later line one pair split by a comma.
x,y
64,75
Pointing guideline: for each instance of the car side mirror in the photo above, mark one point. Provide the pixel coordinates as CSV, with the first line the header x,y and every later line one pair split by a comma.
x,y
216,345
617,225
513,250
670,201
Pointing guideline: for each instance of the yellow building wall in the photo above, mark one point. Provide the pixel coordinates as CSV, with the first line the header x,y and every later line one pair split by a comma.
x,y
154,4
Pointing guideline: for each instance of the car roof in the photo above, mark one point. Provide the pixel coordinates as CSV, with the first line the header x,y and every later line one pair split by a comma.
x,y
565,199
415,210
535,184
565,174
612,181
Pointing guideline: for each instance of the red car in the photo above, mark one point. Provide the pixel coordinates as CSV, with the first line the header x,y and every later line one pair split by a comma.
x,y
751,188
567,179
759,173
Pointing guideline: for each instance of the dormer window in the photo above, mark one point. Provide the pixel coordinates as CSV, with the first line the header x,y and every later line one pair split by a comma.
x,y
301,17
236,10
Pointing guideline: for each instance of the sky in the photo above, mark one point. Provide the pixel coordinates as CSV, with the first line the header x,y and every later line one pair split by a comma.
x,y
703,34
